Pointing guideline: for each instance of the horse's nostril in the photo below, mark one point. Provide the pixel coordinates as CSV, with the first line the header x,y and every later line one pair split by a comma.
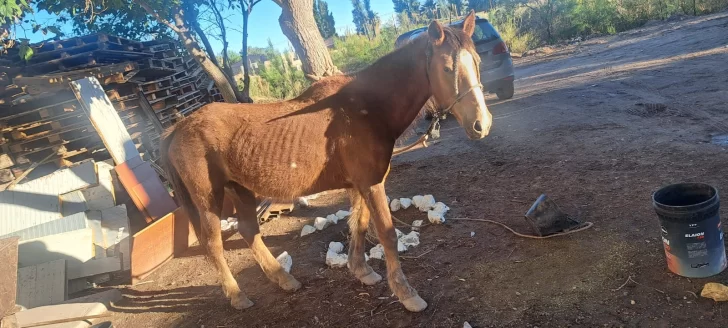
x,y
477,127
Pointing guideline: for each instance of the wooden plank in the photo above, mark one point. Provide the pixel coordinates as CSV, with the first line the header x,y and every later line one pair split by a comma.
x,y
159,242
145,189
42,284
105,119
5,161
94,267
8,274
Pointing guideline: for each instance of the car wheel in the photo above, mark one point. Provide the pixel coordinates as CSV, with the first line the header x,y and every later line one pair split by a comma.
x,y
506,91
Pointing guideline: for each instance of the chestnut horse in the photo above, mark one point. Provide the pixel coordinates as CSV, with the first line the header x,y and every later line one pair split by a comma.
x,y
338,134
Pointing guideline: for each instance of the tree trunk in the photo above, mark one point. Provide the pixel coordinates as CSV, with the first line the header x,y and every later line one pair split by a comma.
x,y
227,70
299,26
246,64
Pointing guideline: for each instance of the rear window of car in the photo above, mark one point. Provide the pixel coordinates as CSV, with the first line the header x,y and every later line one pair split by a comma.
x,y
484,32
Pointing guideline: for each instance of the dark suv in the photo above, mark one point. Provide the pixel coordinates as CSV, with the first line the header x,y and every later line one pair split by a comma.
x,y
496,66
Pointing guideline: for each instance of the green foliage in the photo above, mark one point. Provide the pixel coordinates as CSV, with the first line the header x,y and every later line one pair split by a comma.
x,y
324,19
409,7
366,21
25,51
279,79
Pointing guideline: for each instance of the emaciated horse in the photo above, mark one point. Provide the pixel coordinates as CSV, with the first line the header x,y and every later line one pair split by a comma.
x,y
338,134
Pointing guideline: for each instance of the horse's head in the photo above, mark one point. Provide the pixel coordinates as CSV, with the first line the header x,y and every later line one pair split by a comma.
x,y
453,68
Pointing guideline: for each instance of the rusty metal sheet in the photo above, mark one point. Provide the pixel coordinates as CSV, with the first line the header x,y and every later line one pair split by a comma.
x,y
8,274
145,189
162,240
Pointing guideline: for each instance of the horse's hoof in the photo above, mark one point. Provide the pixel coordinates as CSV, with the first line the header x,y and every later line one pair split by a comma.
x,y
414,304
241,302
371,279
290,284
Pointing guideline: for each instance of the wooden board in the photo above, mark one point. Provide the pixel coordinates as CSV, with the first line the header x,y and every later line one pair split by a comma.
x,y
160,242
145,189
8,274
42,284
105,119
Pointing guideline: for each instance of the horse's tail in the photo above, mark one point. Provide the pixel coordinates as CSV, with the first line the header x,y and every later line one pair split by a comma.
x,y
181,193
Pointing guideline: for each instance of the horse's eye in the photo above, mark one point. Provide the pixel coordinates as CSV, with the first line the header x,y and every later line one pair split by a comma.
x,y
448,69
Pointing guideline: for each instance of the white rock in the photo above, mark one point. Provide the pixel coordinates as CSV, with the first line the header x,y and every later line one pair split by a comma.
x,y
307,230
401,247
302,201
377,252
332,218
405,202
388,199
342,214
224,225
395,205
336,247
417,200
321,223
440,207
472,234
428,201
416,224
335,260
286,261
411,239
435,217
467,325
235,226
399,233
232,219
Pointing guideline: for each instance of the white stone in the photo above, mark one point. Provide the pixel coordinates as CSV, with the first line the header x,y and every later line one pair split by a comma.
x,y
286,261
225,225
401,247
307,230
405,202
333,219
467,325
399,233
394,206
321,223
342,214
428,201
377,252
232,219
440,207
411,239
416,224
302,201
472,234
417,200
235,226
336,247
388,199
435,217
336,260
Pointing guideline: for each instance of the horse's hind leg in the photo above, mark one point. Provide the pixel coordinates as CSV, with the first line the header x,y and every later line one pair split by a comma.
x,y
375,197
248,227
358,224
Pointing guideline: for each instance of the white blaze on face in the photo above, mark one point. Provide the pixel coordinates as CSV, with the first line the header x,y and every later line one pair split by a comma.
x,y
471,76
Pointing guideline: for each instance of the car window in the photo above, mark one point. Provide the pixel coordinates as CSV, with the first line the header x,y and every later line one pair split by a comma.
x,y
484,32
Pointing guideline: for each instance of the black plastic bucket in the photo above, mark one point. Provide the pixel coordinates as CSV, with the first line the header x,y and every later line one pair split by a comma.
x,y
691,230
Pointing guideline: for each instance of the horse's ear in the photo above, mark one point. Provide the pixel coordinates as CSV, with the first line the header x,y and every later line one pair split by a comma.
x,y
469,24
436,34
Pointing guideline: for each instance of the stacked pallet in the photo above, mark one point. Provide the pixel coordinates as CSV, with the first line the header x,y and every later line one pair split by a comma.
x,y
151,84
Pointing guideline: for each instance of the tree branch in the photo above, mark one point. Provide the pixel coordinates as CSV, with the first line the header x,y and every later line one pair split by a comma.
x,y
279,2
154,14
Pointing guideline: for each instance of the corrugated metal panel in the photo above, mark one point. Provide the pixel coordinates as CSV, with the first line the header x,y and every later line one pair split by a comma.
x,y
66,224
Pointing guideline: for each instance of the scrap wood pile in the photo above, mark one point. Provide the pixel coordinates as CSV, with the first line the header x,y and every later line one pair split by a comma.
x,y
42,122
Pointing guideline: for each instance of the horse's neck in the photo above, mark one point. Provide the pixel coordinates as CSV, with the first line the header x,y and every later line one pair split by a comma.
x,y
396,87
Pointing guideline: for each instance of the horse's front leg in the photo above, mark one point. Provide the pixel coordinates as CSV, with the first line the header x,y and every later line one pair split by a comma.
x,y
358,225
376,199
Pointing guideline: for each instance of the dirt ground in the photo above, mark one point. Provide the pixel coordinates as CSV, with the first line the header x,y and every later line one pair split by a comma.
x,y
597,126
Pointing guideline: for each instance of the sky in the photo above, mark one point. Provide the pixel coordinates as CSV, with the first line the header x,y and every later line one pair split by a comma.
x,y
262,24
